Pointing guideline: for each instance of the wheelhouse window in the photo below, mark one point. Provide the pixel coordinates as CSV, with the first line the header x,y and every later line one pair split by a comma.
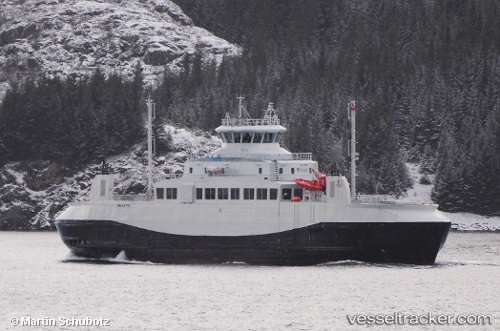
x,y
160,193
237,137
247,137
171,193
262,194
235,194
257,138
227,137
248,193
209,193
277,137
222,193
268,137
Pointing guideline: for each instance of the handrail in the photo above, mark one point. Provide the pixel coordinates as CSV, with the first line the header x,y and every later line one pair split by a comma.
x,y
128,197
169,176
246,157
378,198
250,121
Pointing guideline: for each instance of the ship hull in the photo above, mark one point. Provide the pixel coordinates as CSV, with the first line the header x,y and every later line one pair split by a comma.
x,y
378,242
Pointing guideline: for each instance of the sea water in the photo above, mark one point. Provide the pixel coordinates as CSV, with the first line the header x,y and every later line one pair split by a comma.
x,y
44,287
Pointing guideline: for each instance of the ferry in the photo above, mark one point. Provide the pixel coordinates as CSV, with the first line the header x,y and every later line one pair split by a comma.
x,y
251,201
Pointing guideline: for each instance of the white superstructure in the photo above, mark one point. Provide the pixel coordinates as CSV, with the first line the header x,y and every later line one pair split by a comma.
x,y
251,201
244,188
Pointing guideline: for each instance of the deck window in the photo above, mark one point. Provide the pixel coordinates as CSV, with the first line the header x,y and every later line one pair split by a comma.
x,y
235,194
209,193
160,193
248,193
273,193
262,194
199,193
298,192
171,193
286,193
222,193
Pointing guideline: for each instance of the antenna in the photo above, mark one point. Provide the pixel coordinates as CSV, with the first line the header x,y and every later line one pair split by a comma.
x,y
151,116
351,114
240,106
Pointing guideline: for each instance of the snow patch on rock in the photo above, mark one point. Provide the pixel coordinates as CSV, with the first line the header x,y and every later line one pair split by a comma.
x,y
421,193
73,37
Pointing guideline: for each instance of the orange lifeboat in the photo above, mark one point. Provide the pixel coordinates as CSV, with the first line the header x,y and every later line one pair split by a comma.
x,y
312,185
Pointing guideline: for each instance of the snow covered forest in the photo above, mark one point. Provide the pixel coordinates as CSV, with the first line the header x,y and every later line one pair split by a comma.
x,y
424,74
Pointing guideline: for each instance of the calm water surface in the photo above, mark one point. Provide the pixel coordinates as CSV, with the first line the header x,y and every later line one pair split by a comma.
x,y
39,279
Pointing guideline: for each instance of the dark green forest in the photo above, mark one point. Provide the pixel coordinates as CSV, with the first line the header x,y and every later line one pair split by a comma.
x,y
424,74
73,121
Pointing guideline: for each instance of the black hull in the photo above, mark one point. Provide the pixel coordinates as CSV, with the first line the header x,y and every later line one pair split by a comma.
x,y
409,243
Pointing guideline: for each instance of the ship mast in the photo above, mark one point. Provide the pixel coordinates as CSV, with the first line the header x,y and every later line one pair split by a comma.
x,y
242,112
151,115
351,109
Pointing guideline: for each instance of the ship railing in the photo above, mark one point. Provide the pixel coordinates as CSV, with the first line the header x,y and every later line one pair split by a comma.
x,y
129,197
250,121
302,156
168,176
246,157
375,198
196,156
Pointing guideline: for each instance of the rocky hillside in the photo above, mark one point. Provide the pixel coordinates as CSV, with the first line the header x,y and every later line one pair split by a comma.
x,y
33,193
73,37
